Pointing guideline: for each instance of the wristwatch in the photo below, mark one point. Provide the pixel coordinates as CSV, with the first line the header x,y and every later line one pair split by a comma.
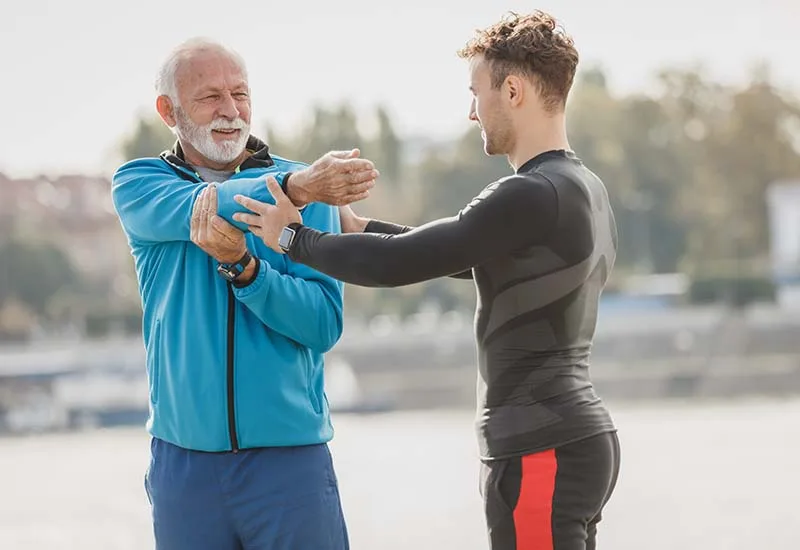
x,y
229,272
286,238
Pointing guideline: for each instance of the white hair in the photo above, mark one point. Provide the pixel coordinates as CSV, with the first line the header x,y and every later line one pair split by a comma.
x,y
166,78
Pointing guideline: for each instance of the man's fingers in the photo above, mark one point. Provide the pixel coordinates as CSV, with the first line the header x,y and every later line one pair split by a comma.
x,y
352,153
195,217
251,204
359,188
197,209
355,165
228,230
357,197
276,191
198,205
202,223
362,177
253,220
212,200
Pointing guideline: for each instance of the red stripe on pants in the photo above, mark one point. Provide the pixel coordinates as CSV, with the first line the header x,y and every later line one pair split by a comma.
x,y
533,515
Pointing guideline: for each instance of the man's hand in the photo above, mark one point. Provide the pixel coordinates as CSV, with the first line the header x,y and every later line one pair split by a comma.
x,y
267,221
336,178
211,233
351,222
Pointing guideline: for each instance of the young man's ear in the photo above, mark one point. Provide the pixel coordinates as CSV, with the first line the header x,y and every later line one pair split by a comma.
x,y
514,89
166,110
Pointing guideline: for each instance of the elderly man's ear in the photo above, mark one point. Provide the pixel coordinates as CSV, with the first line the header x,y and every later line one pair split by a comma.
x,y
166,110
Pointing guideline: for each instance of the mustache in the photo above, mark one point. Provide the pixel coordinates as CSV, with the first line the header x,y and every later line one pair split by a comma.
x,y
225,124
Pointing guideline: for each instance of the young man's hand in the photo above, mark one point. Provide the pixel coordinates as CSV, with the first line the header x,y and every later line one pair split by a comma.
x,y
267,221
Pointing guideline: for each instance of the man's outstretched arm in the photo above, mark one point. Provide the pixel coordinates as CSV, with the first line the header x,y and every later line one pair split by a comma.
x,y
353,223
154,204
506,216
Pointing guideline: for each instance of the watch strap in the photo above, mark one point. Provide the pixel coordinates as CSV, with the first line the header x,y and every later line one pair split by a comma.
x,y
241,262
230,271
242,284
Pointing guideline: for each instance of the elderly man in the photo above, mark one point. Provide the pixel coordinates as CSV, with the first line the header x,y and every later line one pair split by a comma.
x,y
234,332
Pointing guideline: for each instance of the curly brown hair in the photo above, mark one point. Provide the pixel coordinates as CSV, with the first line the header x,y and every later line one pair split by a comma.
x,y
532,45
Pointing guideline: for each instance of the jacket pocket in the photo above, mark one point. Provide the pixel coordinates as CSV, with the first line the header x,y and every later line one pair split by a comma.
x,y
312,374
153,361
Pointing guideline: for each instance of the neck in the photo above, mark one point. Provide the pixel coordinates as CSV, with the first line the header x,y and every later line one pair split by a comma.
x,y
548,133
194,158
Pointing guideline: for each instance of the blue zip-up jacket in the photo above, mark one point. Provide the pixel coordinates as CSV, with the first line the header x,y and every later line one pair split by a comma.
x,y
229,368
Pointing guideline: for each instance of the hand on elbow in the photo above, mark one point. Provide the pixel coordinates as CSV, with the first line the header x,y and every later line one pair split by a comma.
x,y
211,233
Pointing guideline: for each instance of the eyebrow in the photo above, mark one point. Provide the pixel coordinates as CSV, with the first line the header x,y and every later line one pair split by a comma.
x,y
241,87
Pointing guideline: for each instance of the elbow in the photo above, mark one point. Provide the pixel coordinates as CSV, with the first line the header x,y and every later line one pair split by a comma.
x,y
376,276
389,280
330,319
330,332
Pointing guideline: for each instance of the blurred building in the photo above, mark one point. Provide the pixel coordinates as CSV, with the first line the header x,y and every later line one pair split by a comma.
x,y
73,212
783,199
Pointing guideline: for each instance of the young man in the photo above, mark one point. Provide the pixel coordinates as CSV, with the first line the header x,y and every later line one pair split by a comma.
x,y
235,334
541,244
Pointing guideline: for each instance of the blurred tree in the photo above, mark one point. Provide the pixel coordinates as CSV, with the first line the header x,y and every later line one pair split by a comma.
x,y
33,274
334,129
755,148
736,142
386,149
449,181
149,139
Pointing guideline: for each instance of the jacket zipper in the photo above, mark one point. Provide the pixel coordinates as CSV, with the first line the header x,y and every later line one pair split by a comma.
x,y
231,336
231,394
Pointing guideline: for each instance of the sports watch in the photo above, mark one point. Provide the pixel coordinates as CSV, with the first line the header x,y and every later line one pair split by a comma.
x,y
229,272
286,238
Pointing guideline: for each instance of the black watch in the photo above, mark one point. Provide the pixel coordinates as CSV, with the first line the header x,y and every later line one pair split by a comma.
x,y
286,238
229,272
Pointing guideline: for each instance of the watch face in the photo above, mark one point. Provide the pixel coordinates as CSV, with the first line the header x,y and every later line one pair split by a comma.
x,y
285,238
227,273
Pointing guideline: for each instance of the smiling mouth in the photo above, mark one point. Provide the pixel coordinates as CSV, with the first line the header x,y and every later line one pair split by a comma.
x,y
226,132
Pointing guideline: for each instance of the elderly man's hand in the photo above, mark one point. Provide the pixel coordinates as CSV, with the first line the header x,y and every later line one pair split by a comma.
x,y
267,221
211,233
336,178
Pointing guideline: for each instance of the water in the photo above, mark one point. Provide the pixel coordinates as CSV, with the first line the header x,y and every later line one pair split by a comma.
x,y
694,476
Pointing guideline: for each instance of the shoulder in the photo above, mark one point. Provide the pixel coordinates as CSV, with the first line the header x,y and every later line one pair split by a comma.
x,y
517,194
520,187
139,168
530,183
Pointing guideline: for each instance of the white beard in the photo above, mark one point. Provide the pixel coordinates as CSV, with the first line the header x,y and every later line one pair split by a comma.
x,y
202,140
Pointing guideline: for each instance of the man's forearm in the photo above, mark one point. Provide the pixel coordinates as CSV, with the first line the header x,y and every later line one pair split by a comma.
x,y
292,185
389,228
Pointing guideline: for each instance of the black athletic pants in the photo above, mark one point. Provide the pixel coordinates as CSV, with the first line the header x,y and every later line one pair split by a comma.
x,y
550,500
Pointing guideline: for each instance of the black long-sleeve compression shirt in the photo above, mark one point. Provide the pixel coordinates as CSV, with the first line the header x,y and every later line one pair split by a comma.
x,y
389,228
540,244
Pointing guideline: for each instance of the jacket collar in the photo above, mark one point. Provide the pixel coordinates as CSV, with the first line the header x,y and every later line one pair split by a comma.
x,y
258,157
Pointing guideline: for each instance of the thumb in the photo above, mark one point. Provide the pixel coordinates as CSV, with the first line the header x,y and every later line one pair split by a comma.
x,y
351,154
275,190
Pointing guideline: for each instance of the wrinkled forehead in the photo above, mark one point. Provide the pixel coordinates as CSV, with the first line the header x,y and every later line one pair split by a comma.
x,y
209,68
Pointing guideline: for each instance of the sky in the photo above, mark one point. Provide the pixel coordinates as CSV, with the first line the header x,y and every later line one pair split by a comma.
x,y
77,73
